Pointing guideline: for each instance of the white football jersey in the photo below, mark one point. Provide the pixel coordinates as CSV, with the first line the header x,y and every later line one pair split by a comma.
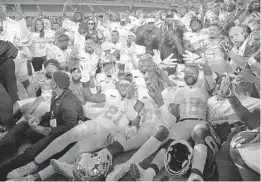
x,y
91,59
71,27
221,111
192,102
196,39
151,112
114,116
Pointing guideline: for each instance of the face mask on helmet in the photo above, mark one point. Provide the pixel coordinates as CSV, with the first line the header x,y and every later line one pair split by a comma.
x,y
92,167
178,158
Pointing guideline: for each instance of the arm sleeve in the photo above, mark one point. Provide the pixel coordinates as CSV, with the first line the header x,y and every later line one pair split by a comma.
x,y
178,99
69,117
210,82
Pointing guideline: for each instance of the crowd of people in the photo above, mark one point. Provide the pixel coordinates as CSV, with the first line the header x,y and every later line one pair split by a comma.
x,y
175,83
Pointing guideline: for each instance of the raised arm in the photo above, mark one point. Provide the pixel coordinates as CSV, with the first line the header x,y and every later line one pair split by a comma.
x,y
87,94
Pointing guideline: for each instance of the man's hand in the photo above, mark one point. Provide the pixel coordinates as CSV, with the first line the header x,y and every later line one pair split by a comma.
x,y
39,10
228,86
130,132
41,130
33,121
18,10
84,72
156,57
75,51
168,62
190,57
97,50
245,137
67,3
246,76
203,48
225,46
155,94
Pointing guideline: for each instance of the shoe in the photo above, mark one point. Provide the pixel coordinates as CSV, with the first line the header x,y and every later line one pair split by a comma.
x,y
139,174
63,169
195,177
22,171
118,172
136,171
27,178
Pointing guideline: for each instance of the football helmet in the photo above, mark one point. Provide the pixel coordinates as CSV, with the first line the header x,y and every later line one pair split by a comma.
x,y
92,167
178,158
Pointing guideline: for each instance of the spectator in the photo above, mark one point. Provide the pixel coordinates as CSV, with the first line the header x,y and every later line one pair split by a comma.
x,y
39,44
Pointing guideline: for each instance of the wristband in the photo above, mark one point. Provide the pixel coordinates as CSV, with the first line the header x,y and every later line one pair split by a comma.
x,y
251,61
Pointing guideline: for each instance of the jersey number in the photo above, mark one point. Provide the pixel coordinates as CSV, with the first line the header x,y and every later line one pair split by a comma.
x,y
113,115
194,106
149,114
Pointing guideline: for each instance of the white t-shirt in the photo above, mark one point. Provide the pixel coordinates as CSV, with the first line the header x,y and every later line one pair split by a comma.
x,y
79,41
22,57
11,29
54,52
91,59
71,28
39,45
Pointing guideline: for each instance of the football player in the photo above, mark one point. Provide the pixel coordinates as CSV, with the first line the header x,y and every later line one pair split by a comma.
x,y
190,106
121,113
154,117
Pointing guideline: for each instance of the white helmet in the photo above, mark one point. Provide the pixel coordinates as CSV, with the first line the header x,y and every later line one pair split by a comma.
x,y
178,158
92,167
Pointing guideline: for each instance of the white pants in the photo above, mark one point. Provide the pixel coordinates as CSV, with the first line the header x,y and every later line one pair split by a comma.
x,y
250,153
43,108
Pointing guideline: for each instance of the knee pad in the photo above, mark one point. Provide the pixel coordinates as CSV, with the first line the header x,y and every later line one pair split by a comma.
x,y
203,133
199,133
161,132
236,157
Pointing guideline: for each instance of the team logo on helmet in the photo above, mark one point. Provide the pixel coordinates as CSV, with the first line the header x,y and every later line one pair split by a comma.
x,y
93,167
178,158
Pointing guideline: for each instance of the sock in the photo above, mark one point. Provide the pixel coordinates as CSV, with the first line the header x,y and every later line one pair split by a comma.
x,y
37,177
46,173
37,164
155,168
199,157
151,172
115,148
147,149
158,162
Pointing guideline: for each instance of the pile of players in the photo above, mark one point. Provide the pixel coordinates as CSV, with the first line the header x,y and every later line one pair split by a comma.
x,y
177,84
